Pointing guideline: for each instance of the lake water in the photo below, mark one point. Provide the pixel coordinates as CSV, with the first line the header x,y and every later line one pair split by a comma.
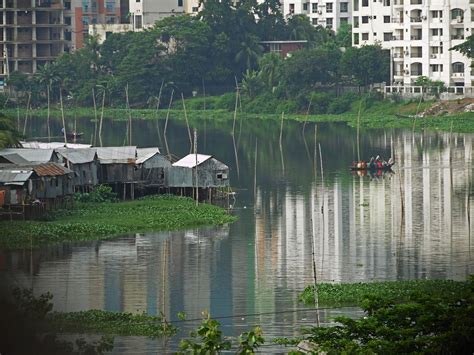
x,y
413,224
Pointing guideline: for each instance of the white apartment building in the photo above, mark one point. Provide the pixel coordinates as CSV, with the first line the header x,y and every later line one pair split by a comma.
x,y
419,34
327,13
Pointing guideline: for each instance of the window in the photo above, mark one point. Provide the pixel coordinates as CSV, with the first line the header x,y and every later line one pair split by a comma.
x,y
110,19
292,8
67,36
110,5
344,20
356,5
387,36
436,67
67,5
365,3
386,2
195,9
365,19
437,14
344,6
305,6
85,20
436,31
180,3
314,21
386,19
329,7
356,38
355,21
329,22
67,21
138,21
458,67
365,36
314,8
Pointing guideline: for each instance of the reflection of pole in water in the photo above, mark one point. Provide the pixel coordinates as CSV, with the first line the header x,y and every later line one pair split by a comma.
x,y
322,204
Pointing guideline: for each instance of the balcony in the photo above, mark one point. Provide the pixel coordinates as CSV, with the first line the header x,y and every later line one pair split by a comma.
x,y
457,37
457,75
415,19
416,38
416,2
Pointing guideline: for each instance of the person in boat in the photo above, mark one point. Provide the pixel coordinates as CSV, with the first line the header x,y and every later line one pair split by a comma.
x,y
378,162
372,164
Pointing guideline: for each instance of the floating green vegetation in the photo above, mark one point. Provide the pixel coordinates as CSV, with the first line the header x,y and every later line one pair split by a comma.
x,y
353,294
113,323
93,221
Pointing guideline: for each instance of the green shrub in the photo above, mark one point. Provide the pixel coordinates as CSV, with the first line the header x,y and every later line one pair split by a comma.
x,y
101,193
287,106
341,104
265,103
320,102
201,103
226,101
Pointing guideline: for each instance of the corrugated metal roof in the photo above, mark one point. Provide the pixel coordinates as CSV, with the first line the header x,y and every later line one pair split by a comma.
x,y
15,159
51,169
53,145
9,177
143,154
189,161
31,155
117,155
77,156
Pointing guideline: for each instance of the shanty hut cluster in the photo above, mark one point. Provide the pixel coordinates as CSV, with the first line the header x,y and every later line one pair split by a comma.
x,y
42,176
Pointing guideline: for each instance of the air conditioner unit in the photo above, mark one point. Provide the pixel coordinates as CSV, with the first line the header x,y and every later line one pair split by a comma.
x,y
458,19
406,52
434,56
406,71
319,12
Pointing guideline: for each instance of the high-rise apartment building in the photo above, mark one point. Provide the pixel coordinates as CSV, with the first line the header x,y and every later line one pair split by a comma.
x,y
327,13
35,32
419,34
31,34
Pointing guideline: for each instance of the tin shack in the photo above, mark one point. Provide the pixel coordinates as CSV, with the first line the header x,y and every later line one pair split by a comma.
x,y
84,163
212,175
151,169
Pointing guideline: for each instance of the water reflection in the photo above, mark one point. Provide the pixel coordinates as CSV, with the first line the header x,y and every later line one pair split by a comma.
x,y
412,224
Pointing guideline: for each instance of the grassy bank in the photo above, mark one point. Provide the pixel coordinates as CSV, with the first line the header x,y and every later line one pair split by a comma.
x,y
113,323
93,221
353,294
379,114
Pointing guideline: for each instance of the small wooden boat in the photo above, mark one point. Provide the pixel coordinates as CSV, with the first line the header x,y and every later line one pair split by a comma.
x,y
372,168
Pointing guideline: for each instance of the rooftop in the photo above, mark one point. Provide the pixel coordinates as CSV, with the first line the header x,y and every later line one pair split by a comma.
x,y
189,161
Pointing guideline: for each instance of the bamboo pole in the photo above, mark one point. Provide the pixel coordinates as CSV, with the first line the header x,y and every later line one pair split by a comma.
x,y
235,105
322,204
26,114
95,117
187,124
358,131
62,114
255,171
281,146
129,116
196,167
101,117
48,89
166,125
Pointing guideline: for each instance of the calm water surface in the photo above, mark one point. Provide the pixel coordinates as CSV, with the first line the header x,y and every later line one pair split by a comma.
x,y
413,224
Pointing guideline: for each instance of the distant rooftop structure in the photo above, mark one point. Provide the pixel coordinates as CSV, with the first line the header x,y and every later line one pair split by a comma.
x,y
15,176
189,161
77,156
31,155
53,145
143,154
117,155
12,159
283,48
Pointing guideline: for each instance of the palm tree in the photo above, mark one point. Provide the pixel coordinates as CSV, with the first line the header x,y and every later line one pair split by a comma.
x,y
9,136
250,51
270,65
47,76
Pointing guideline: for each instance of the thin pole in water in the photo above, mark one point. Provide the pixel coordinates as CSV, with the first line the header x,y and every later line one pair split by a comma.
x,y
187,124
196,167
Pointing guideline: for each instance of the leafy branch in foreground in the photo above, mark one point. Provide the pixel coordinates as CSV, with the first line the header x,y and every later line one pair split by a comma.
x,y
208,339
423,324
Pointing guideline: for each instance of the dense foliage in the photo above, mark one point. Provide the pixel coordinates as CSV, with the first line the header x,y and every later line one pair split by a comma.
x,y
207,54
9,136
23,328
92,221
439,323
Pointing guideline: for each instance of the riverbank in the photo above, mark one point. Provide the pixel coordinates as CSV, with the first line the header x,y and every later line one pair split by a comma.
x,y
378,114
96,221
